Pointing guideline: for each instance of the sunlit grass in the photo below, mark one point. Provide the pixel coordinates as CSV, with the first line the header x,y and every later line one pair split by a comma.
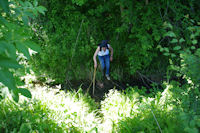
x,y
52,110
69,108
63,112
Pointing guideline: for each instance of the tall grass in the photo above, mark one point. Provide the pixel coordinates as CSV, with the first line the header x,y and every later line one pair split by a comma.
x,y
170,111
49,112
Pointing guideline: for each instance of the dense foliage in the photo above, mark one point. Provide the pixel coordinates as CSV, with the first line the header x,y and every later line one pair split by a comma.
x,y
137,30
158,40
15,42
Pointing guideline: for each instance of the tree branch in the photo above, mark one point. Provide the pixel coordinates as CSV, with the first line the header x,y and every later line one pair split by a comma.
x,y
147,78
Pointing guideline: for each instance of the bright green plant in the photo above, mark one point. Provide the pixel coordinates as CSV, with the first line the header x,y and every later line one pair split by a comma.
x,y
183,54
15,38
49,112
172,110
167,111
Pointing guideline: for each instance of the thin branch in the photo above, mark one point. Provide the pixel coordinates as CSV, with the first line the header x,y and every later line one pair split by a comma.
x,y
147,78
161,15
76,40
143,80
156,121
116,84
73,52
161,41
67,81
147,2
166,10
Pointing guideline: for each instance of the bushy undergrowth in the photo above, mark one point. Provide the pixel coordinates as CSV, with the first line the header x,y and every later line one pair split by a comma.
x,y
175,109
49,112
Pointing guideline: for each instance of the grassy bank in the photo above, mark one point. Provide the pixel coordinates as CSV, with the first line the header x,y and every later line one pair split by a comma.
x,y
175,109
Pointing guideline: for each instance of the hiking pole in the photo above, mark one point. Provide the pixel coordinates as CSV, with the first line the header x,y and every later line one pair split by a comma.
x,y
94,79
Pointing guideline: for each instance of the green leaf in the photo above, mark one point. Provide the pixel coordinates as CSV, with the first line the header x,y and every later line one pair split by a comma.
x,y
7,79
2,47
170,34
158,46
198,122
166,54
21,3
35,3
35,12
193,48
12,51
23,49
177,48
191,28
166,49
173,55
192,36
157,37
1,97
191,20
41,9
174,41
15,95
9,49
161,49
25,128
192,123
3,20
194,42
168,25
20,83
25,92
27,3
9,63
25,19
5,5
29,14
181,40
181,52
33,46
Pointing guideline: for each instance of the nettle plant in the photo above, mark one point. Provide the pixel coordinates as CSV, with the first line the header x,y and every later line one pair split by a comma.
x,y
182,49
15,43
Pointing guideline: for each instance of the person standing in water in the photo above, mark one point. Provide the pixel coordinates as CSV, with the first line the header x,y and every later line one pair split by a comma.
x,y
104,57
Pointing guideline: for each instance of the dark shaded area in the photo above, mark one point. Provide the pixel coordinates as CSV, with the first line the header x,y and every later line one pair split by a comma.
x,y
103,87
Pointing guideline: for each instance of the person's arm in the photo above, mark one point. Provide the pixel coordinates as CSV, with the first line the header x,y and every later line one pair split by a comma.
x,y
95,55
111,53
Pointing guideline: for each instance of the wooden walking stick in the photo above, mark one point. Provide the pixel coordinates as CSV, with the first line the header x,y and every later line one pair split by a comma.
x,y
93,81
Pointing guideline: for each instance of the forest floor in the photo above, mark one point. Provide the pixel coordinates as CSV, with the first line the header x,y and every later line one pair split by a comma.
x,y
102,87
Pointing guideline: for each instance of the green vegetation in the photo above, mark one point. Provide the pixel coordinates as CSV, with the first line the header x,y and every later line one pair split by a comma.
x,y
155,41
176,109
15,42
145,35
48,112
